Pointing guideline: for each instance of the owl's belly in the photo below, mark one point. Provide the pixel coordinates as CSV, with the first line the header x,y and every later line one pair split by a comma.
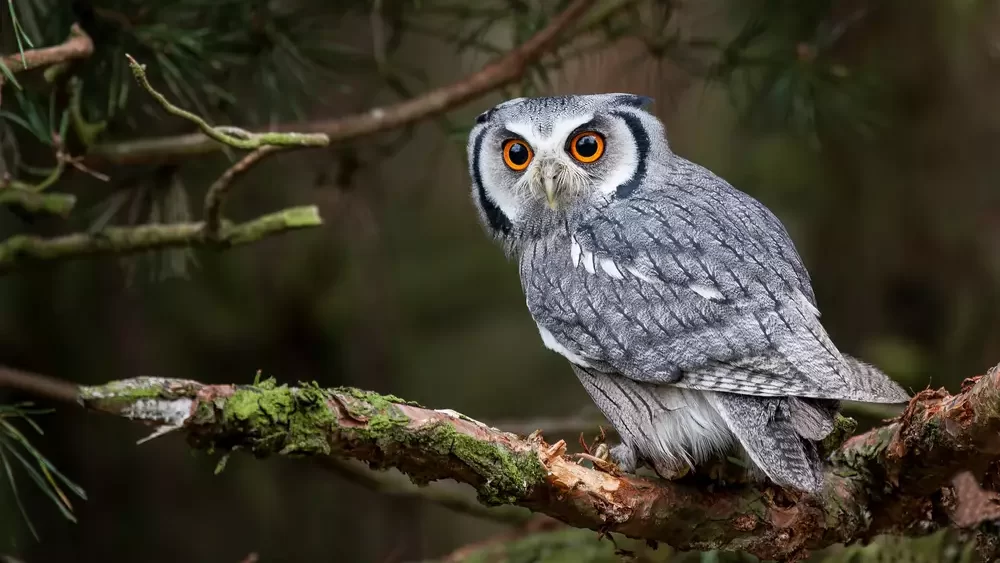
x,y
671,427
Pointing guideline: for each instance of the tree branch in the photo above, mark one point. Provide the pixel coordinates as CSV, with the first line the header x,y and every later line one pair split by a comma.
x,y
77,46
214,231
215,197
229,136
865,494
21,250
39,385
499,73
35,203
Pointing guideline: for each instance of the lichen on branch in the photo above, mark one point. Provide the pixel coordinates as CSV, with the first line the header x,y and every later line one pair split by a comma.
x,y
229,136
22,250
862,498
36,203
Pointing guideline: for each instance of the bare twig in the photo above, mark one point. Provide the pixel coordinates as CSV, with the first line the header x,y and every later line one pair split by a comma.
x,y
491,549
262,144
499,73
867,491
215,197
226,135
77,46
20,250
63,158
39,385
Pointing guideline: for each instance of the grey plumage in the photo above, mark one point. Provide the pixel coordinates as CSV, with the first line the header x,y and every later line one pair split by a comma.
x,y
680,302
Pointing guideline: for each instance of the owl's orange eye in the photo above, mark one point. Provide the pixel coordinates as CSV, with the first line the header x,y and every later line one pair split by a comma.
x,y
516,154
587,147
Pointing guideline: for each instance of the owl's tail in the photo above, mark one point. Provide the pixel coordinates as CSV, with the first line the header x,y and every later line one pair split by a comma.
x,y
778,435
871,385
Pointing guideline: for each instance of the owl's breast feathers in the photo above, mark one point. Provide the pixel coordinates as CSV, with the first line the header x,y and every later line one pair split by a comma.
x,y
690,283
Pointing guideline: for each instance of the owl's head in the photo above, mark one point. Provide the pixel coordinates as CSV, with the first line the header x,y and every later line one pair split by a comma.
x,y
533,161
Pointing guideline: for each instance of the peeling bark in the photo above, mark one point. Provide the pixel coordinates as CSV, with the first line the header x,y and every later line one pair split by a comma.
x,y
893,479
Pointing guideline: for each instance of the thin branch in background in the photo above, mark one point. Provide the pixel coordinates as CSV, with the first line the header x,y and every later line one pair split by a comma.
x,y
62,160
35,203
586,423
77,46
215,197
398,485
505,70
539,524
21,250
227,135
39,385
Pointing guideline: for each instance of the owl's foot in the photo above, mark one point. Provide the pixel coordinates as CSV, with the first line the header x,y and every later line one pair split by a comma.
x,y
617,460
599,464
671,471
624,456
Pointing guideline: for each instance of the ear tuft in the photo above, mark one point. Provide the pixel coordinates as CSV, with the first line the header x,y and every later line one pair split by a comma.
x,y
635,100
485,116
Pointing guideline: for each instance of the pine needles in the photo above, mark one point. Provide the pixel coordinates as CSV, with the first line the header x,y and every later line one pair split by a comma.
x,y
18,455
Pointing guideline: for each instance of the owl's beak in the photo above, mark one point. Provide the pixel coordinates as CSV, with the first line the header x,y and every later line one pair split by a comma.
x,y
549,182
549,170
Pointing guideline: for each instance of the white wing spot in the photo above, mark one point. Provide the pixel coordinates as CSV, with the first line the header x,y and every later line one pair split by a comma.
x,y
638,273
588,262
609,266
805,302
574,253
551,343
707,292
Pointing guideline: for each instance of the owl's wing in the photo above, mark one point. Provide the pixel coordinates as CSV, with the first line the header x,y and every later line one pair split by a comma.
x,y
694,284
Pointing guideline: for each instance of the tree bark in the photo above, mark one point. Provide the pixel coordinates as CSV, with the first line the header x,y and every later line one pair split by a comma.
x,y
893,479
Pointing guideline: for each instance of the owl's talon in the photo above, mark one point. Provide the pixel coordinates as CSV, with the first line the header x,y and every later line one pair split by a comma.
x,y
671,472
596,443
604,465
602,452
624,456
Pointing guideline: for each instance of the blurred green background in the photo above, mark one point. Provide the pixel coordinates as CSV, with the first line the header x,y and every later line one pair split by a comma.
x,y
871,128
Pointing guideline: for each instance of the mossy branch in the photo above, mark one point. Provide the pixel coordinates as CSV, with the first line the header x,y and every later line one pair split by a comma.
x,y
21,250
231,136
866,493
35,203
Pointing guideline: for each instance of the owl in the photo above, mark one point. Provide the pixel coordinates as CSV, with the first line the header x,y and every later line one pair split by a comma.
x,y
680,303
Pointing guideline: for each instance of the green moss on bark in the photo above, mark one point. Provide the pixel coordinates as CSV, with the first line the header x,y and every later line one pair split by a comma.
x,y
272,419
508,476
380,402
505,476
843,428
278,419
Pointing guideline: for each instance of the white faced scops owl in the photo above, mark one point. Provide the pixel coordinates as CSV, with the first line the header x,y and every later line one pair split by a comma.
x,y
679,301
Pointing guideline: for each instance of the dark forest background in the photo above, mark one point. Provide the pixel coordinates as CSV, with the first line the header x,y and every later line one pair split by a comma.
x,y
871,128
